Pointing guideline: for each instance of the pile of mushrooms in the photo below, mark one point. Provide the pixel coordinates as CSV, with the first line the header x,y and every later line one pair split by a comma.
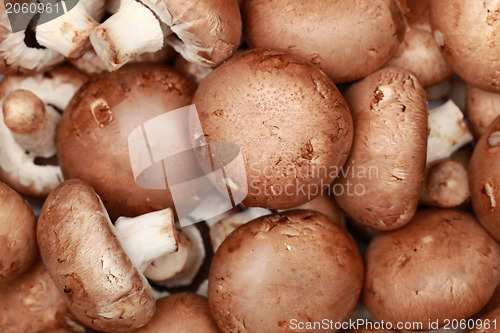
x,y
366,197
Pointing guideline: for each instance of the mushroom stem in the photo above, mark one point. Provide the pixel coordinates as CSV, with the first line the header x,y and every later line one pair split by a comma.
x,y
448,131
131,31
32,124
147,237
181,267
446,185
68,34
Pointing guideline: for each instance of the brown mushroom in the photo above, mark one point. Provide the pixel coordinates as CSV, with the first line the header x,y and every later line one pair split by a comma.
x,y
471,52
380,183
17,234
484,179
348,40
97,124
290,121
296,265
419,52
95,266
482,109
442,265
31,303
181,313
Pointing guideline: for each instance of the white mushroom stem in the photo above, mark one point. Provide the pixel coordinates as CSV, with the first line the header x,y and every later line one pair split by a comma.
x,y
147,237
33,124
448,132
220,230
179,268
131,31
68,34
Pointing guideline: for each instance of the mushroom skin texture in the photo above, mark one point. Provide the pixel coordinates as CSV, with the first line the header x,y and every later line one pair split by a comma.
x,y
412,277
493,319
181,313
484,181
325,32
34,296
482,109
254,284
97,123
419,52
18,247
381,181
467,33
100,285
289,119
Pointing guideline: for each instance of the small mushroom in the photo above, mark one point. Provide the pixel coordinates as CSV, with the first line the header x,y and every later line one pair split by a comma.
x,y
291,265
289,119
18,247
97,123
96,266
419,52
484,179
482,109
471,53
68,34
181,267
348,40
51,91
181,313
206,32
31,303
442,265
380,183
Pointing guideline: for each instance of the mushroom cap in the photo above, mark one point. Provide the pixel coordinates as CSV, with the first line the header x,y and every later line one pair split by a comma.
x,y
23,111
181,313
419,52
101,135
482,109
484,179
348,40
381,181
206,31
290,121
18,247
32,296
442,265
296,264
99,283
467,33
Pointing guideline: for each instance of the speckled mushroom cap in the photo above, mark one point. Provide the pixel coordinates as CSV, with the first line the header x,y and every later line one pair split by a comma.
x,y
347,39
442,265
290,121
181,313
31,303
467,32
292,265
482,109
484,179
87,263
381,181
17,234
96,126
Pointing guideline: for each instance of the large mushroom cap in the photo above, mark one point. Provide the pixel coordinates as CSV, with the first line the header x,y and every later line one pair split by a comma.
x,y
97,123
442,265
181,313
89,267
293,265
17,234
290,121
467,32
347,39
